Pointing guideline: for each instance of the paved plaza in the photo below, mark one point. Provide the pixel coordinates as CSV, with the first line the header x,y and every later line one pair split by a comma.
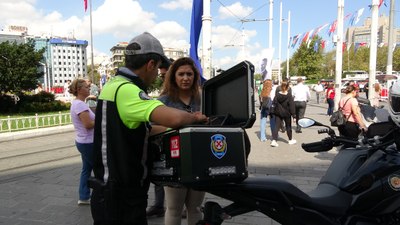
x,y
46,193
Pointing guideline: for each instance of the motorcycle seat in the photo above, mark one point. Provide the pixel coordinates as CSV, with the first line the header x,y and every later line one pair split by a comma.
x,y
325,197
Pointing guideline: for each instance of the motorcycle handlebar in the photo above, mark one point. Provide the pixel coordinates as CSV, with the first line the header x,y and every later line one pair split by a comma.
x,y
327,144
319,146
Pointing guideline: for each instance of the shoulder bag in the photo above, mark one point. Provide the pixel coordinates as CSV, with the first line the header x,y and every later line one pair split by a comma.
x,y
338,118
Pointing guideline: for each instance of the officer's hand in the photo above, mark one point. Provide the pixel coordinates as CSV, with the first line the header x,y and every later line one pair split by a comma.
x,y
200,118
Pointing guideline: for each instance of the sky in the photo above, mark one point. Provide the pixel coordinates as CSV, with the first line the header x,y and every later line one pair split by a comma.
x,y
169,20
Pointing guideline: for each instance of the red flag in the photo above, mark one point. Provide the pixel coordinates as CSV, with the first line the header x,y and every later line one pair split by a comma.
x,y
332,28
85,4
323,44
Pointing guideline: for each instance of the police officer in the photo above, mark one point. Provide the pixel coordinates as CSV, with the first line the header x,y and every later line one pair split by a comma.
x,y
123,115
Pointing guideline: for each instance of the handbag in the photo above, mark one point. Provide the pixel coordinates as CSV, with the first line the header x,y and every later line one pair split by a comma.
x,y
338,119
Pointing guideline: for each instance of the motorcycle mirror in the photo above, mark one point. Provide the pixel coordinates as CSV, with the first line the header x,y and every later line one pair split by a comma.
x,y
306,122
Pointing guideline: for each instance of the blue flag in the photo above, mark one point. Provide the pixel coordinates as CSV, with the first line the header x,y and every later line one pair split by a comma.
x,y
195,28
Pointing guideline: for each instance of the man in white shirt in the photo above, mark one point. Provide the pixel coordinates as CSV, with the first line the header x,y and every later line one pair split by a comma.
x,y
319,89
301,94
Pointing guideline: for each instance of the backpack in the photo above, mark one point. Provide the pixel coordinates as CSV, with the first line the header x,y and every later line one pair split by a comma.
x,y
338,119
266,103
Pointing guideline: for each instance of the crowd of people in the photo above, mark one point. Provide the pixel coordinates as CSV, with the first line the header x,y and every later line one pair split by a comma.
x,y
113,125
284,103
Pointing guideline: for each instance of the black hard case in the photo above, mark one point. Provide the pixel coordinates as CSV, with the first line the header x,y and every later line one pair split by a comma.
x,y
190,156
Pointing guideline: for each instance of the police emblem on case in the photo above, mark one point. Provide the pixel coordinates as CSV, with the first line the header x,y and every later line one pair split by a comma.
x,y
394,182
218,145
144,96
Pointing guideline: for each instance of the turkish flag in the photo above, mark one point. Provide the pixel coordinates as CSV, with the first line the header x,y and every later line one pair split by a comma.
x,y
85,4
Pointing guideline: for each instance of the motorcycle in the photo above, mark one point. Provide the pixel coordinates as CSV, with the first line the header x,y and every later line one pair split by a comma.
x,y
361,186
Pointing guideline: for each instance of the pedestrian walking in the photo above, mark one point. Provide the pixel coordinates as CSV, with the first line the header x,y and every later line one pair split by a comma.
x,y
352,113
283,110
319,90
330,99
301,94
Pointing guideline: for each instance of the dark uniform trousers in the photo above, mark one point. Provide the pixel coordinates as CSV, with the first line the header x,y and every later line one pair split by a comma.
x,y
119,206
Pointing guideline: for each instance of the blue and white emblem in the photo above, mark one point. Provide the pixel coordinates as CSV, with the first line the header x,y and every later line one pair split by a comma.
x,y
218,145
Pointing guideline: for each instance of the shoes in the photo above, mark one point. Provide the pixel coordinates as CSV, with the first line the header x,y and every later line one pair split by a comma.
x,y
274,143
292,142
263,140
155,211
299,131
84,202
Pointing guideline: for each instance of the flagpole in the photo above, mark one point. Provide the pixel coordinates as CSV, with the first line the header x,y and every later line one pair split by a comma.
x,y
339,53
271,13
288,47
389,64
91,44
373,48
206,59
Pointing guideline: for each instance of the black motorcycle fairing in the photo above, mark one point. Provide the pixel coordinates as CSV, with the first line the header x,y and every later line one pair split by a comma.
x,y
330,199
344,165
326,198
379,165
380,129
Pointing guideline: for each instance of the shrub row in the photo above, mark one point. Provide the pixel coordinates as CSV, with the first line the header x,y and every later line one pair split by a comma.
x,y
41,102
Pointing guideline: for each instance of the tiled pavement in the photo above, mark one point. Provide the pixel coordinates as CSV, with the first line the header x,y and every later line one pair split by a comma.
x,y
47,193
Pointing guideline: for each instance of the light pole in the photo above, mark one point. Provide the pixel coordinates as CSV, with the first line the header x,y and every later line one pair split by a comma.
x,y
45,75
339,52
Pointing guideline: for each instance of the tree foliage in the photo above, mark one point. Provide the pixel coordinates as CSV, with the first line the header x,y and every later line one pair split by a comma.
x,y
307,62
316,65
19,66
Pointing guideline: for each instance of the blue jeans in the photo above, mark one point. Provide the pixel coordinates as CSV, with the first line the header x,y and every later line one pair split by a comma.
x,y
263,124
331,105
86,151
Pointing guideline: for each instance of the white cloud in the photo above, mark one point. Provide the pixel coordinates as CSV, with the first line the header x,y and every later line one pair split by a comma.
x,y
122,20
171,34
177,4
234,10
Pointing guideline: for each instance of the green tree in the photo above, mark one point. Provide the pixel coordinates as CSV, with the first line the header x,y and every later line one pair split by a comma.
x,y
307,62
396,59
329,64
19,66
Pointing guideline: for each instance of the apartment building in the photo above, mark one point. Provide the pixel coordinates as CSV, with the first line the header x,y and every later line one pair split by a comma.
x,y
362,34
68,60
118,57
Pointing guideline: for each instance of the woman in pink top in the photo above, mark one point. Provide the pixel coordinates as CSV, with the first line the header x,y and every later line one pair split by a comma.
x,y
83,119
351,111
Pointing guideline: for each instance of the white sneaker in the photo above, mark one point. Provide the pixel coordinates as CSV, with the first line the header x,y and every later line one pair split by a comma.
x,y
292,142
84,202
274,143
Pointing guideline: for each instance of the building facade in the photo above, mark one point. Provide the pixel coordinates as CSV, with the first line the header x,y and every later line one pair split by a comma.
x,y
12,34
117,54
118,57
64,58
362,34
68,60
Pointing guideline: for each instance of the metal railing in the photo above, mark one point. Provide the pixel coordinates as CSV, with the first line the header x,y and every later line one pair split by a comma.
x,y
10,124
